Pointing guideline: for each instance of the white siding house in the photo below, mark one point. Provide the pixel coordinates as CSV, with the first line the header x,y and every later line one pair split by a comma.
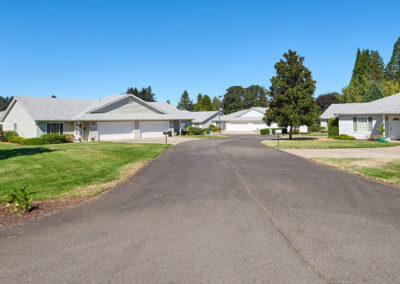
x,y
361,120
111,118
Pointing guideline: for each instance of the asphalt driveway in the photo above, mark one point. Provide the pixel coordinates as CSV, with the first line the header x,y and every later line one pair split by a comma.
x,y
219,211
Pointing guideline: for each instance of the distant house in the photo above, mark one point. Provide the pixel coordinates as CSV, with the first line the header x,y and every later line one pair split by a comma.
x,y
110,118
248,120
203,119
362,120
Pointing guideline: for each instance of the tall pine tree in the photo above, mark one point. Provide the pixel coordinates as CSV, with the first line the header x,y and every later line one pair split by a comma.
x,y
374,93
392,71
291,92
185,102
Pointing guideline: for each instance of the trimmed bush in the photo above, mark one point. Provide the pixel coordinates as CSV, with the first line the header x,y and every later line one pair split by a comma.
x,y
197,131
9,134
190,129
34,141
314,128
296,131
344,137
16,139
333,127
323,129
54,138
264,131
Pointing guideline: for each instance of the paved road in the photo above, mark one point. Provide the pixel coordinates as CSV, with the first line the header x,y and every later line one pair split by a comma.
x,y
219,211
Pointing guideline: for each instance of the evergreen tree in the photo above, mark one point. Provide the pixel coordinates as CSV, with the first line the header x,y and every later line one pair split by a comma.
x,y
4,102
291,92
168,102
147,95
392,70
374,92
185,103
215,103
198,105
233,99
133,91
206,104
390,88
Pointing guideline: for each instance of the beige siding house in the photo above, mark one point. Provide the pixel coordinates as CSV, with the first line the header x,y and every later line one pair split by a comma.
x,y
110,118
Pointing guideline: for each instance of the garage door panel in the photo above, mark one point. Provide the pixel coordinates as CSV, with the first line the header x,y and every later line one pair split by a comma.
x,y
115,130
149,129
245,126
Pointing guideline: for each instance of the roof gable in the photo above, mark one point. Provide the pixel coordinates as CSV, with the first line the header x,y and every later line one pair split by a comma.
x,y
127,104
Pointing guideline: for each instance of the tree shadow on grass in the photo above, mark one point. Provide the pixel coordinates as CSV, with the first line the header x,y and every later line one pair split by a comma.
x,y
10,153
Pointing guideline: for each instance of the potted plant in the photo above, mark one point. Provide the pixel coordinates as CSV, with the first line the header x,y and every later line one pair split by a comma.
x,y
381,131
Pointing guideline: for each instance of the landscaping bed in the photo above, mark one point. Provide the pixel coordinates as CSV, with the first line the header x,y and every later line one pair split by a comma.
x,y
325,143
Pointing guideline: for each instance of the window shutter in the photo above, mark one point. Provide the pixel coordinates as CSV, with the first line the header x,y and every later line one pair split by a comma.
x,y
48,128
355,124
61,128
370,123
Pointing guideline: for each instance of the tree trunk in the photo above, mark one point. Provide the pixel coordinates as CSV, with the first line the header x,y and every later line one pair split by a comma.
x,y
290,132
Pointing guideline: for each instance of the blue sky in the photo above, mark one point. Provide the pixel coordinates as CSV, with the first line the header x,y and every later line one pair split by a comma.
x,y
90,49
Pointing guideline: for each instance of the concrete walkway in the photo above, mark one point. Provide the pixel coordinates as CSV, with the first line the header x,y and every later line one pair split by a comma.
x,y
384,152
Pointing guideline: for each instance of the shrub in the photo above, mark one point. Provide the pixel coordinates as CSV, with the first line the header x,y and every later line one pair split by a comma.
x,y
190,129
9,134
197,131
264,131
372,138
296,131
323,129
333,127
381,130
314,128
344,137
16,139
34,141
54,138
19,201
212,127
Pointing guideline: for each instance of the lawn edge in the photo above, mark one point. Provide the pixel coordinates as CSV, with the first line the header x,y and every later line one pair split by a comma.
x,y
86,199
381,181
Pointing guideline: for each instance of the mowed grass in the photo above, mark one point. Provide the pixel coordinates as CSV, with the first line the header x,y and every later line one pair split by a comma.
x,y
387,170
310,143
50,171
215,136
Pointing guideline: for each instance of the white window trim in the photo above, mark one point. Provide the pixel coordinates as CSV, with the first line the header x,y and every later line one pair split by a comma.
x,y
363,131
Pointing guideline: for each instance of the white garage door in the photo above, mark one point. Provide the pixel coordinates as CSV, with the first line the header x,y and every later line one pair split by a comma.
x,y
115,130
245,126
150,129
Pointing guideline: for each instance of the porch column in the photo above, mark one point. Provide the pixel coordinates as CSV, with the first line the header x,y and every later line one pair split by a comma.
x,y
384,125
180,129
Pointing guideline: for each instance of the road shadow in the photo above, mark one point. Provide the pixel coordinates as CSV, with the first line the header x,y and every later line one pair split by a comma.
x,y
10,153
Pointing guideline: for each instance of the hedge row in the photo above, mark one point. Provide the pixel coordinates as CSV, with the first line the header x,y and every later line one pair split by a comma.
x,y
44,139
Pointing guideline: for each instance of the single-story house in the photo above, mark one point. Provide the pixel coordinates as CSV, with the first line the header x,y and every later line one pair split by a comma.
x,y
362,120
327,114
248,120
110,118
203,119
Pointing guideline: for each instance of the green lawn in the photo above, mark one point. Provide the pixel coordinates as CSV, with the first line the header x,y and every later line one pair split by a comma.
x,y
215,136
382,169
310,143
51,171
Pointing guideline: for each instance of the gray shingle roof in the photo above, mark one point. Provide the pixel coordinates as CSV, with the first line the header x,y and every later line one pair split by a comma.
x,y
387,105
1,114
203,116
237,116
60,109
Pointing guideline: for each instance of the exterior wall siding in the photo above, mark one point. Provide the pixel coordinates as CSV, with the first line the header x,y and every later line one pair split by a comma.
x,y
324,123
346,126
42,127
26,126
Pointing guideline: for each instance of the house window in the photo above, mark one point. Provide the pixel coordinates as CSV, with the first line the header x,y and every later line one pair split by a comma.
x,y
362,124
55,128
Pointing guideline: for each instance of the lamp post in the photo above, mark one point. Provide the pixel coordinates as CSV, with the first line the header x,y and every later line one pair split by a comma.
x,y
219,114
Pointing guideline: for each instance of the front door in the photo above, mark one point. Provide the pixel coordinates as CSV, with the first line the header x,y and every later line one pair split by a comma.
x,y
395,128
